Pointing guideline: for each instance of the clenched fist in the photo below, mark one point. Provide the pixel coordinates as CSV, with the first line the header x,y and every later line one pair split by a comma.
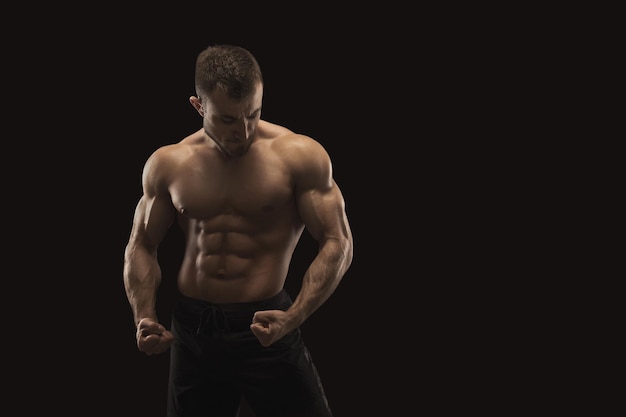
x,y
269,325
152,337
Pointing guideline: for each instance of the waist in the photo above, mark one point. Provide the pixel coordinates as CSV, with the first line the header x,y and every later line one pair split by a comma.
x,y
279,301
200,316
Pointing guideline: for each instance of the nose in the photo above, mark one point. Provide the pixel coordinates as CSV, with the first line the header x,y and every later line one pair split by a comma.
x,y
242,129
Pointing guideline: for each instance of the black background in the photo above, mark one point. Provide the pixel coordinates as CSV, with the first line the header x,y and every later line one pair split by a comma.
x,y
108,89
395,108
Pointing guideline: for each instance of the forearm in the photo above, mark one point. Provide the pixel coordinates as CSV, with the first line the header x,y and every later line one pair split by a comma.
x,y
321,279
142,277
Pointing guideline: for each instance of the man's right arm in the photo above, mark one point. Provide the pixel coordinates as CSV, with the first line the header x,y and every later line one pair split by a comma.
x,y
153,216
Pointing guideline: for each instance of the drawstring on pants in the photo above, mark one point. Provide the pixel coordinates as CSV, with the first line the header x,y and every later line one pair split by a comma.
x,y
212,318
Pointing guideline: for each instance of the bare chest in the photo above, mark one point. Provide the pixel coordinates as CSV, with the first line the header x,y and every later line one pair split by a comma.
x,y
247,190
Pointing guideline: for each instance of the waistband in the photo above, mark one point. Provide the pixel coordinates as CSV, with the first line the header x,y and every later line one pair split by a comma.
x,y
208,317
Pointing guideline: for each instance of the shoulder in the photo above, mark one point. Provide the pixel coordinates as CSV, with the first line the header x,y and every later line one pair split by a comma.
x,y
174,153
166,157
162,164
291,147
308,161
301,148
296,145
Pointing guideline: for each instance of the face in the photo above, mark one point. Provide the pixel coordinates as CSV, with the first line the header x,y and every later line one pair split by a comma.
x,y
230,123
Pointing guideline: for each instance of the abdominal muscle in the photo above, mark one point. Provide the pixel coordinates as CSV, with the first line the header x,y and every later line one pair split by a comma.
x,y
231,267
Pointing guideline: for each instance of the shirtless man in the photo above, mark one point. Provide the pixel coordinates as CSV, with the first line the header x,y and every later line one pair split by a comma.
x,y
242,190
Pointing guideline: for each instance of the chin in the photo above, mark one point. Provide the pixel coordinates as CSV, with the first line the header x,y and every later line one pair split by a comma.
x,y
238,151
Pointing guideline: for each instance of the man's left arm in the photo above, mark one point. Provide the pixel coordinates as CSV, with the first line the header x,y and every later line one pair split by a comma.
x,y
323,212
322,208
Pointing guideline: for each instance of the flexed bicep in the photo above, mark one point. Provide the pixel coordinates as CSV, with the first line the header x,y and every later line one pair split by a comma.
x,y
154,216
323,213
155,212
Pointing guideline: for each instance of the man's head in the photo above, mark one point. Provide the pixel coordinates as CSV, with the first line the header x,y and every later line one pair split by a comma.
x,y
232,69
229,89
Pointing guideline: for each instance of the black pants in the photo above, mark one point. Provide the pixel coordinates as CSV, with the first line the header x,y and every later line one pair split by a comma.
x,y
215,359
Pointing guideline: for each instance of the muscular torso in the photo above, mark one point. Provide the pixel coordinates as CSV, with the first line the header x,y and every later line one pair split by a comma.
x,y
240,221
